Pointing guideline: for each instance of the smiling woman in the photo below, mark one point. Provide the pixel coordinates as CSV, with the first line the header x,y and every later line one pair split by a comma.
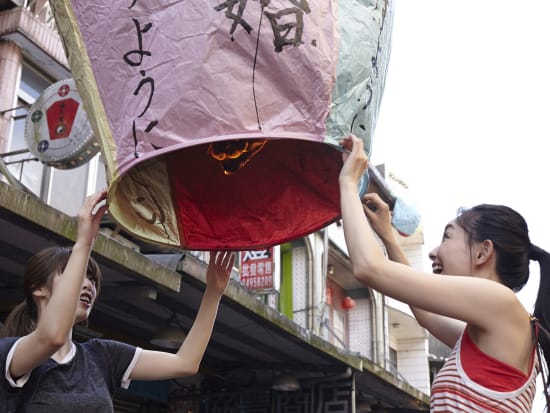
x,y
469,80
43,271
470,305
42,368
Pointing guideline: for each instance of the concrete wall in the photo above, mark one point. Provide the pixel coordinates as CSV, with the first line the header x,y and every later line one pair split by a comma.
x,y
412,362
360,332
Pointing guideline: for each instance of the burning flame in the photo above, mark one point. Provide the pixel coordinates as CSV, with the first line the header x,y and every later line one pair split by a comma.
x,y
235,154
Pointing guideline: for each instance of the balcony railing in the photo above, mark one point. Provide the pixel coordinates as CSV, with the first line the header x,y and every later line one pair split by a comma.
x,y
42,11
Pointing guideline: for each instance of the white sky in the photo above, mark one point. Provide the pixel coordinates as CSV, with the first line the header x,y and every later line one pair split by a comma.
x,y
465,116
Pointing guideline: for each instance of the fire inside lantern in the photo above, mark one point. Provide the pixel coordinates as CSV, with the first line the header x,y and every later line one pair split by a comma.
x,y
235,154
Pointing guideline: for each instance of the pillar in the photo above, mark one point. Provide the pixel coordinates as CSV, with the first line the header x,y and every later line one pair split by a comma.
x,y
11,60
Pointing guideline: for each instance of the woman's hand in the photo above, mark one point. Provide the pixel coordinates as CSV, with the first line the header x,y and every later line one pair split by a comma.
x,y
89,217
158,365
379,215
219,270
355,161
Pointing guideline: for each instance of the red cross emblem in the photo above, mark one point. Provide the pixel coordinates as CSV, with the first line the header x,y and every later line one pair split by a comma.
x,y
64,90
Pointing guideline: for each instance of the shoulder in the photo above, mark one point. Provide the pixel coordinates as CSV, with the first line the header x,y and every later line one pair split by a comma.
x,y
6,343
104,345
107,350
8,394
112,357
511,314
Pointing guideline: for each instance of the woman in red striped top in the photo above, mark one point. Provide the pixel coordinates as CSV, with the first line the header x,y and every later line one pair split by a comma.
x,y
484,254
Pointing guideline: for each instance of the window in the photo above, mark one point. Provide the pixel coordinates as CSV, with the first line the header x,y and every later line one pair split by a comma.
x,y
339,328
392,362
29,171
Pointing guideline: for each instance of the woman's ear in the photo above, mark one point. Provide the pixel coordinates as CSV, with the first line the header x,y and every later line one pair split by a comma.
x,y
41,292
484,252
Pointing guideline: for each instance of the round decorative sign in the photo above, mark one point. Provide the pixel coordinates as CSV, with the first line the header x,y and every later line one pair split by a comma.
x,y
57,130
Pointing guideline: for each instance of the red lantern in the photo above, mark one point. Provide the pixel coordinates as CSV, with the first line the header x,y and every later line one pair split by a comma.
x,y
348,303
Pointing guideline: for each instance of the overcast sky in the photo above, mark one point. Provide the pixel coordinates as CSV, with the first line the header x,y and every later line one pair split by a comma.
x,y
465,117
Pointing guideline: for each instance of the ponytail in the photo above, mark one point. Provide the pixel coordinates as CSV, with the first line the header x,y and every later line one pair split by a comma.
x,y
21,321
542,312
537,253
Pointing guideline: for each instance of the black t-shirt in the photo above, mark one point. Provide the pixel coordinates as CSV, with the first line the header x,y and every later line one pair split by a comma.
x,y
83,384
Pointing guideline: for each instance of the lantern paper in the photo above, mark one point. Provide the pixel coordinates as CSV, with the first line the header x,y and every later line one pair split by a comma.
x,y
219,121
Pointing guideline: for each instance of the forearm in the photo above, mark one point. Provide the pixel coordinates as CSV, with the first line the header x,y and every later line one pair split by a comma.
x,y
363,248
435,323
193,348
58,317
160,365
394,250
396,254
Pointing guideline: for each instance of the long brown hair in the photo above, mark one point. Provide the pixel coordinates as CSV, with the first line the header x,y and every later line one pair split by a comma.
x,y
39,272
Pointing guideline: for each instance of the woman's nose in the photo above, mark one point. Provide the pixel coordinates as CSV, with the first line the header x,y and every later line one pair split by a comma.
x,y
88,284
433,254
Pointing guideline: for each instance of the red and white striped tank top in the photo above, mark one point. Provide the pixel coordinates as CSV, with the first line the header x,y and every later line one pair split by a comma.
x,y
455,390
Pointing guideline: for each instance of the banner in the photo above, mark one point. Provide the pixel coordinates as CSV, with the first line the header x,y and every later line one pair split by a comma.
x,y
257,269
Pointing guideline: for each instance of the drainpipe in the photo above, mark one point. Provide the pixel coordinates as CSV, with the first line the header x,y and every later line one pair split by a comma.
x,y
385,336
353,401
374,328
310,277
323,282
379,332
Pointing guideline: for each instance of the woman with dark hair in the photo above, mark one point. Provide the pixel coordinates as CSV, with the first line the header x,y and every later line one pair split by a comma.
x,y
498,346
44,370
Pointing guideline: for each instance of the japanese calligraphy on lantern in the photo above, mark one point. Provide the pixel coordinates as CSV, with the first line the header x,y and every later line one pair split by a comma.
x,y
287,22
237,96
257,269
134,58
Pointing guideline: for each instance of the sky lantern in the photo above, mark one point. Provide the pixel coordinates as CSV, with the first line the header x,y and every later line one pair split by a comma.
x,y
220,122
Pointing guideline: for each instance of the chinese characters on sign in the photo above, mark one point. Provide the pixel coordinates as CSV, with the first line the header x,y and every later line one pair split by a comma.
x,y
257,269
134,58
287,23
